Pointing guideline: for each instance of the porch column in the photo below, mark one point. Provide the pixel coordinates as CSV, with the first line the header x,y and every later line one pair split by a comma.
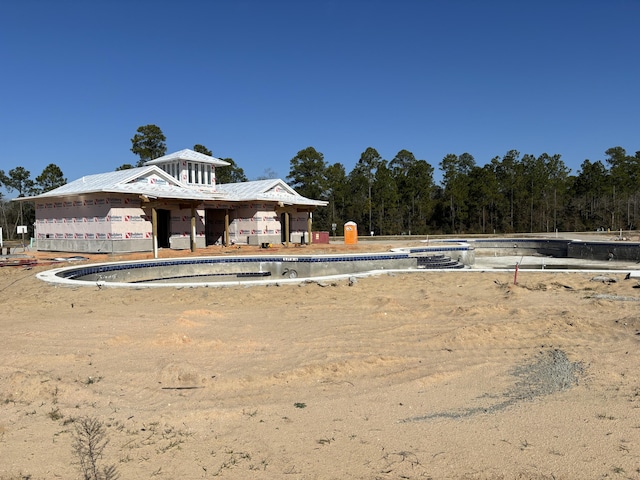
x,y
226,227
309,221
286,228
154,231
193,227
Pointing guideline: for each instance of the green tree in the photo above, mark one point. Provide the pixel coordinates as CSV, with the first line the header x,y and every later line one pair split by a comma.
x,y
202,149
483,198
508,172
554,191
50,178
357,203
231,173
534,180
592,194
402,162
148,143
625,178
542,191
124,166
3,214
414,181
307,173
386,199
367,166
19,179
456,170
227,174
337,195
417,192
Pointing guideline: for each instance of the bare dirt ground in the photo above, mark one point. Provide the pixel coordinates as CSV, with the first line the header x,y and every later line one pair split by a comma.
x,y
458,375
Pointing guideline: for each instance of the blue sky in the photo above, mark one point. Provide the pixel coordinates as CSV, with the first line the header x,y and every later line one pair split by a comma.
x,y
259,80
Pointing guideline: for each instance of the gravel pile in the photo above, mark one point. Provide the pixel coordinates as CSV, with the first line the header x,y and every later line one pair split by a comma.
x,y
551,372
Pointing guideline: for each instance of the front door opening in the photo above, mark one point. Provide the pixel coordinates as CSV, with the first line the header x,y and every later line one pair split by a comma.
x,y
214,226
164,228
283,227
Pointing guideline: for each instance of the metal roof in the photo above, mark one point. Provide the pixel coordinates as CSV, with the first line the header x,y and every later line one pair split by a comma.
x,y
135,181
271,190
129,181
188,155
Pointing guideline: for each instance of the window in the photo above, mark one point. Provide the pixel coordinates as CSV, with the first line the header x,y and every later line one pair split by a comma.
x,y
197,173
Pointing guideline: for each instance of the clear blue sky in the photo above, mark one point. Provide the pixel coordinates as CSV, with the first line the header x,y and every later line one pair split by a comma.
x,y
259,80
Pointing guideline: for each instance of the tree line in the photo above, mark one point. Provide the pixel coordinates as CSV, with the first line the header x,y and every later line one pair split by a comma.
x,y
513,193
19,180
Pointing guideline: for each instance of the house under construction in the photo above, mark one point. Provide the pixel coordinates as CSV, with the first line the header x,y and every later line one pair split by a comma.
x,y
170,202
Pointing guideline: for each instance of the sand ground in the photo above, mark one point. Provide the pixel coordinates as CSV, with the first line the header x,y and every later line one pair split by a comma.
x,y
459,375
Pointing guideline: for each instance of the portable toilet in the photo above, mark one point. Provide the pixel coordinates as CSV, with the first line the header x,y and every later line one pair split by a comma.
x,y
350,233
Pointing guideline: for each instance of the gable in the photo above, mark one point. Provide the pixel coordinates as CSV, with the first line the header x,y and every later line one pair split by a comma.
x,y
155,177
280,188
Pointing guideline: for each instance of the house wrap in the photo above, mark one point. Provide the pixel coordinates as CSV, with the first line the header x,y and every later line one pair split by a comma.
x,y
171,202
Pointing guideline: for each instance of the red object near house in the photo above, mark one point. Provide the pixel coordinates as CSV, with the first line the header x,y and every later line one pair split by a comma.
x,y
320,237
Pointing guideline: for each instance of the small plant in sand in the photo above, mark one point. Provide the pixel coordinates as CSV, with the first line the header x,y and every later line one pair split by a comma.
x,y
55,414
325,441
92,380
89,442
603,416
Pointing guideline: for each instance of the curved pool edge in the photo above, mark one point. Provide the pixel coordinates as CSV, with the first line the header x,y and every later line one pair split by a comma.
x,y
107,274
50,277
306,268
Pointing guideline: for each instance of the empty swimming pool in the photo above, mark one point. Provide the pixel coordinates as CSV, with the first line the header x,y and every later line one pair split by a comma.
x,y
260,269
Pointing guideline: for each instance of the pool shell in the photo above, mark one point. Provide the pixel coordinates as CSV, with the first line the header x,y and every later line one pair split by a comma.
x,y
494,255
262,269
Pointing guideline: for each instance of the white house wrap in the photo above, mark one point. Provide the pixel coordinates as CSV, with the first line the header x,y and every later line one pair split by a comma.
x,y
114,211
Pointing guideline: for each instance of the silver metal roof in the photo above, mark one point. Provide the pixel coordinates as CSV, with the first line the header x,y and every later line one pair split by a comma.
x,y
271,190
188,155
129,181
133,181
